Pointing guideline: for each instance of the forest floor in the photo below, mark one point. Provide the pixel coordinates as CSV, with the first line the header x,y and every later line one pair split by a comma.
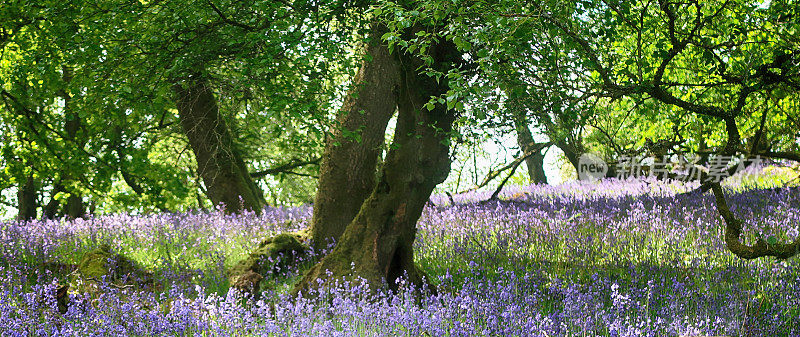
x,y
614,258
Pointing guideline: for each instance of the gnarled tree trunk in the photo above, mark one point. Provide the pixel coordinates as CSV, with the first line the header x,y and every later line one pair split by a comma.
x,y
219,162
348,169
733,225
378,242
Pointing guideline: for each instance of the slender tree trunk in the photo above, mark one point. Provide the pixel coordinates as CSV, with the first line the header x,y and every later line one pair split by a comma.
x,y
535,166
534,163
219,162
74,207
377,244
571,152
26,200
348,169
51,210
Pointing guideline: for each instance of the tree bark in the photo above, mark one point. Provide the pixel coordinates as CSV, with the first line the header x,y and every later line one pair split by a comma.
x,y
26,200
219,162
74,207
377,245
733,233
571,152
535,162
348,169
50,211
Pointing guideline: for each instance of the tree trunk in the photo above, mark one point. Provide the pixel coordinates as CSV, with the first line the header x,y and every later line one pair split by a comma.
x,y
534,163
50,211
219,162
535,166
571,152
74,207
26,200
348,169
377,245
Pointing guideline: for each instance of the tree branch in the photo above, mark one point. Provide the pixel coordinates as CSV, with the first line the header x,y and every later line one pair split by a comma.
x,y
517,163
285,168
492,175
781,155
229,21
733,230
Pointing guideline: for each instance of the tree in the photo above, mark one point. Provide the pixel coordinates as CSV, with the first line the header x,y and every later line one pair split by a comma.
x,y
719,61
219,163
540,84
251,64
26,200
228,63
534,162
723,63
39,88
348,170
73,207
377,244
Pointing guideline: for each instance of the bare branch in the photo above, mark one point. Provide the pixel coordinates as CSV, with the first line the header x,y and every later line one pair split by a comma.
x,y
533,149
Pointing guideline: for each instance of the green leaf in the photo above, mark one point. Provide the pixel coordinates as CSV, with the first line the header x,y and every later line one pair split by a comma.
x,y
772,240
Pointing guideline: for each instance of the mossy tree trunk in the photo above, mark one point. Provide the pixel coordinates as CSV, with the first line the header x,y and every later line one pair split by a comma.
x,y
219,162
378,242
348,169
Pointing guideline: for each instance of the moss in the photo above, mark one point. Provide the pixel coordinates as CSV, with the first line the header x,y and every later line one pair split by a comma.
x,y
104,262
272,253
